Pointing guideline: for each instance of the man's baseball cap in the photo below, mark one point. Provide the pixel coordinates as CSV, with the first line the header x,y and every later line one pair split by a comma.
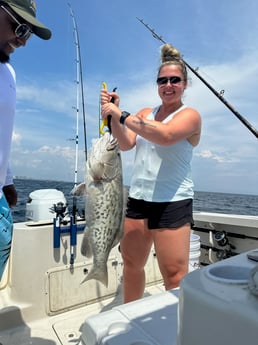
x,y
26,9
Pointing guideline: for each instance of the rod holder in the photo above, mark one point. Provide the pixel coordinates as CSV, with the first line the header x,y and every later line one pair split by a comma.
x,y
71,229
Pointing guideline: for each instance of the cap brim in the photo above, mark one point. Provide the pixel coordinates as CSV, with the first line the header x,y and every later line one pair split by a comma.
x,y
37,27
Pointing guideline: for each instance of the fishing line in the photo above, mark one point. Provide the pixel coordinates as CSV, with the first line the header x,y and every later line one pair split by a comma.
x,y
219,95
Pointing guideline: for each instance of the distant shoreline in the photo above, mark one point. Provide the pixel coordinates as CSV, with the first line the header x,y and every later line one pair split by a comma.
x,y
39,179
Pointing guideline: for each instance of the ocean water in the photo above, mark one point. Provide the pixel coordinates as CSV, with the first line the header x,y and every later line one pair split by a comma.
x,y
204,201
25,186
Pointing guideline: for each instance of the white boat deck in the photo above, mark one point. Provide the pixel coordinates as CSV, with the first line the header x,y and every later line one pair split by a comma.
x,y
43,303
42,300
63,328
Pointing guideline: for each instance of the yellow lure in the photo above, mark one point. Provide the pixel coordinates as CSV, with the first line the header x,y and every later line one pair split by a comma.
x,y
105,121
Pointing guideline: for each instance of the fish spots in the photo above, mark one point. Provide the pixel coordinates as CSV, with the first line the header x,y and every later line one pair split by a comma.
x,y
104,204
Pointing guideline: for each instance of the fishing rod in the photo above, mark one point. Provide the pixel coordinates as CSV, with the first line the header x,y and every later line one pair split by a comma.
x,y
74,208
216,93
82,94
79,78
79,83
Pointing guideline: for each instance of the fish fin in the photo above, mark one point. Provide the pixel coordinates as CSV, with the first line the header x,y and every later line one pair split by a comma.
x,y
85,246
97,273
119,235
79,190
125,198
120,232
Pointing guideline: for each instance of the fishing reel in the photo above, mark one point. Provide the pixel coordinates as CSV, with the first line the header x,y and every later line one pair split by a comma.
x,y
221,238
60,209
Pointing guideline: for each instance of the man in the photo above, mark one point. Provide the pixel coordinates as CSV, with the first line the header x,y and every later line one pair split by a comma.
x,y
17,23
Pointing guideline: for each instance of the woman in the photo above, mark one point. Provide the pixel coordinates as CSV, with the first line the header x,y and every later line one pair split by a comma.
x,y
159,209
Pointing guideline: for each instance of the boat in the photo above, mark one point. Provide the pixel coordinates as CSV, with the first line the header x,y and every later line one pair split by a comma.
x,y
42,300
224,235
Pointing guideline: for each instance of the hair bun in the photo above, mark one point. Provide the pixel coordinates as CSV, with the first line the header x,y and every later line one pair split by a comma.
x,y
169,53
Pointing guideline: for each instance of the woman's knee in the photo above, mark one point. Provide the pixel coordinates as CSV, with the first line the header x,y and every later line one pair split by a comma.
x,y
172,275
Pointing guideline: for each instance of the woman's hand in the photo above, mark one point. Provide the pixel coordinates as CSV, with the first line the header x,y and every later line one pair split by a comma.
x,y
106,97
110,109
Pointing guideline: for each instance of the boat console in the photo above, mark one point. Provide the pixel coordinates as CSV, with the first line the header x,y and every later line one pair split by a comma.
x,y
217,304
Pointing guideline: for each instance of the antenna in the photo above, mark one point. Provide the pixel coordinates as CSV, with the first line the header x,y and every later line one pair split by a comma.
x,y
219,95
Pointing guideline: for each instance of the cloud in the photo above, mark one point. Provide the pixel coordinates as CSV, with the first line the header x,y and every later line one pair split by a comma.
x,y
16,138
221,132
57,96
220,41
207,154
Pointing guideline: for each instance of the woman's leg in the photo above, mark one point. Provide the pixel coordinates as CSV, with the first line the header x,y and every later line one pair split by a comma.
x,y
135,248
172,250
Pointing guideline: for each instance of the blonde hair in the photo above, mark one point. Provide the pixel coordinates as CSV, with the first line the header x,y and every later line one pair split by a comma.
x,y
172,56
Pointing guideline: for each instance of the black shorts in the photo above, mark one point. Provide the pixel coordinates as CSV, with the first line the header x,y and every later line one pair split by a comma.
x,y
161,215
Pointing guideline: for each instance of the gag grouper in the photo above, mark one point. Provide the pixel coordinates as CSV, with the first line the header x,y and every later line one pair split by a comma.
x,y
104,204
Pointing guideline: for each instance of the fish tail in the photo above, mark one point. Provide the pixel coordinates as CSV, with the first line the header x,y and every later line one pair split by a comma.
x,y
97,273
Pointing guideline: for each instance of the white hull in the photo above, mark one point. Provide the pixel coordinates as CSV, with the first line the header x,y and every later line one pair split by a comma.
x,y
40,289
241,234
42,301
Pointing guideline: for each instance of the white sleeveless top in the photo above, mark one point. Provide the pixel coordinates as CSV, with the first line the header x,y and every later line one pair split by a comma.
x,y
162,173
7,113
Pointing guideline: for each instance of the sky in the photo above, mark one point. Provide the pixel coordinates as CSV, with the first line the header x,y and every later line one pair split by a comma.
x,y
218,39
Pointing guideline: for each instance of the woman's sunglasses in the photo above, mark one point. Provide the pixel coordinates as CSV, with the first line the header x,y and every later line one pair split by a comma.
x,y
172,80
22,30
